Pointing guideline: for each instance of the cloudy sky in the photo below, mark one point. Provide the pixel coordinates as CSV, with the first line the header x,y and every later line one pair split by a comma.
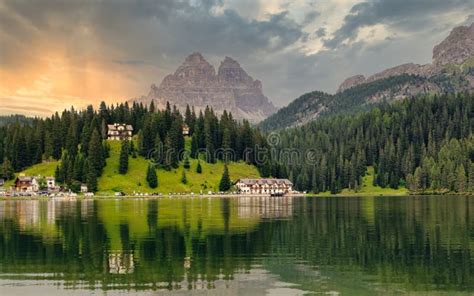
x,y
58,53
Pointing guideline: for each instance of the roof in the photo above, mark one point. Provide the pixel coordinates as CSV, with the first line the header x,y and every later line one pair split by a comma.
x,y
115,126
25,178
267,181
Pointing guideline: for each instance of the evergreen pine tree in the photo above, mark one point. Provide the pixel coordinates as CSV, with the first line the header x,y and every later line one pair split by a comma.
x,y
70,170
152,106
199,168
58,176
195,145
147,136
133,151
103,129
7,172
79,168
91,177
460,179
225,183
151,177
186,163
123,164
184,180
72,138
471,177
158,155
96,154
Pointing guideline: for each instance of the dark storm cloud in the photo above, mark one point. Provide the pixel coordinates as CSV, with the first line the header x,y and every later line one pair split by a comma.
x,y
321,32
142,33
146,29
310,17
402,14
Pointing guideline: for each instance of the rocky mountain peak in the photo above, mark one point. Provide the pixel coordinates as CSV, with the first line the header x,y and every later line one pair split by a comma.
x,y
195,58
196,83
456,48
231,72
195,67
350,82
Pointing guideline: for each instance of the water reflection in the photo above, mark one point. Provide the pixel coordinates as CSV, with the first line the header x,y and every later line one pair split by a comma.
x,y
327,245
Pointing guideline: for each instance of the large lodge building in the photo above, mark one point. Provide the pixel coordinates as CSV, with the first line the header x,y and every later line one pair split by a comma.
x,y
264,186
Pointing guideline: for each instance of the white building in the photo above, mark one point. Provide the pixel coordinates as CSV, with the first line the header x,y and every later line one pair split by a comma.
x,y
50,183
119,131
264,186
84,188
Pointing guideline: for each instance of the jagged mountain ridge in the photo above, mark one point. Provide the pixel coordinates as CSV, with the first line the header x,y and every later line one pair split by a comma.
x,y
452,71
196,83
450,57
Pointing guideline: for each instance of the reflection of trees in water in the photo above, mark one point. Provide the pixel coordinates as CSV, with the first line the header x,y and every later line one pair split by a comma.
x,y
109,244
136,244
420,242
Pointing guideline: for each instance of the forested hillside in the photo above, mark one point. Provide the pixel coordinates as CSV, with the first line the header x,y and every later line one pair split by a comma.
x,y
423,143
319,104
78,139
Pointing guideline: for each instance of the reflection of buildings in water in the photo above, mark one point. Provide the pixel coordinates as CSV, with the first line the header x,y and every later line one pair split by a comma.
x,y
265,206
51,211
35,213
87,207
121,263
27,213
187,262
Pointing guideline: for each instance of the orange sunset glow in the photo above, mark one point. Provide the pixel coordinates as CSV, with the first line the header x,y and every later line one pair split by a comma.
x,y
60,82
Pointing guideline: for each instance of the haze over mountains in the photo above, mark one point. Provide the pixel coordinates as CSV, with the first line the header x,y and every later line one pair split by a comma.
x,y
451,71
196,83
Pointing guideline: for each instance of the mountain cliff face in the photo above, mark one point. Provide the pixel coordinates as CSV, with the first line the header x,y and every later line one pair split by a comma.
x,y
196,83
452,70
452,59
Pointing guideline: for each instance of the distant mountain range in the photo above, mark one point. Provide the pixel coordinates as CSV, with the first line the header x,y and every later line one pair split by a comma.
x,y
196,83
452,70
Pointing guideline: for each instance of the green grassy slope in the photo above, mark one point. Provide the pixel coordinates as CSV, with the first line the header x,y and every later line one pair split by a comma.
x,y
45,169
368,188
168,181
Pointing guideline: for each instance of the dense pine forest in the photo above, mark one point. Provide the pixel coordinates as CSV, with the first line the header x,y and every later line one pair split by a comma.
x,y
319,104
78,139
424,143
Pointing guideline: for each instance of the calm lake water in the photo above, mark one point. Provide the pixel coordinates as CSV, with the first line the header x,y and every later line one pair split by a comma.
x,y
245,246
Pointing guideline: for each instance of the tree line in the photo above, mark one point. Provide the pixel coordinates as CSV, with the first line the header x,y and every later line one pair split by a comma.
x,y
77,139
423,143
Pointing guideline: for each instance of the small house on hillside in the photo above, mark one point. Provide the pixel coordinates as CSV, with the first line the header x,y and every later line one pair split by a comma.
x,y
185,129
84,188
264,186
50,183
119,131
26,184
